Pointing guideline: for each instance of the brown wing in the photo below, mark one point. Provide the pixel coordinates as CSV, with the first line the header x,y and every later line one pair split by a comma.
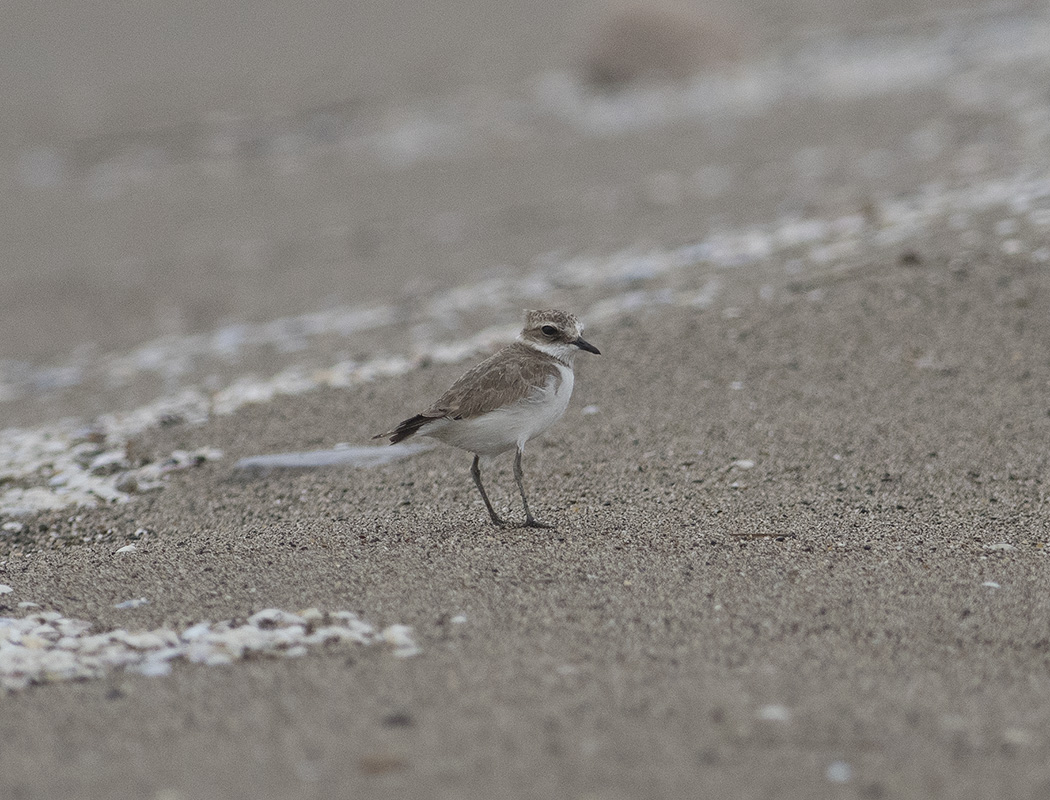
x,y
504,378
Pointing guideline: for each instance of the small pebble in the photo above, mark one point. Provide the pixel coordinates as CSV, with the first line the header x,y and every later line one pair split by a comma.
x,y
774,713
197,631
400,636
138,601
839,772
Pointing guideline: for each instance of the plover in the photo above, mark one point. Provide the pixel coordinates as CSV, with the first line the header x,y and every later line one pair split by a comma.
x,y
508,399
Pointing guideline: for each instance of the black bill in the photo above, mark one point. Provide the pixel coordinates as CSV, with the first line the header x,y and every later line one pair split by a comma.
x,y
585,345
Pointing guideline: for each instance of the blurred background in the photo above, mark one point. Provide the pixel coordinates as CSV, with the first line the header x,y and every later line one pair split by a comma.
x,y
181,168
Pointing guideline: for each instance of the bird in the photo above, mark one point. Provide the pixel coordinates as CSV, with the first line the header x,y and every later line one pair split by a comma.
x,y
507,400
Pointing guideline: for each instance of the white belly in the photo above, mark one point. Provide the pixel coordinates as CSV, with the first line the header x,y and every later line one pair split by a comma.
x,y
512,426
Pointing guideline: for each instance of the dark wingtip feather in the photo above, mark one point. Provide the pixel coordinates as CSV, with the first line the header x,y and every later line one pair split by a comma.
x,y
405,429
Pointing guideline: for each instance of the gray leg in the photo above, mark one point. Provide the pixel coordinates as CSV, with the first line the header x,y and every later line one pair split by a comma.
x,y
530,521
475,470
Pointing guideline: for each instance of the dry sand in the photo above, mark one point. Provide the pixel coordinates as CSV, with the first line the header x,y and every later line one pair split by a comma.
x,y
801,532
897,423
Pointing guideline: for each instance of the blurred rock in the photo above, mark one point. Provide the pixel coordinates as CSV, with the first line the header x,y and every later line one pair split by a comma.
x,y
653,42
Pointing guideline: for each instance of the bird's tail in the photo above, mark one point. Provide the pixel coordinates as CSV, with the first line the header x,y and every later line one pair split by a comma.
x,y
407,428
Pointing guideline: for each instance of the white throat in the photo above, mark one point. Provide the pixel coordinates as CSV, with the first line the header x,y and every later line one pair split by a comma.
x,y
565,353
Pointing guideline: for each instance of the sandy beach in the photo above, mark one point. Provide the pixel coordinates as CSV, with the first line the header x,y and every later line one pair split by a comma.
x,y
800,499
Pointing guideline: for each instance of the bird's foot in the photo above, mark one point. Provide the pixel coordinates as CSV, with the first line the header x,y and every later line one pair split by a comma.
x,y
532,522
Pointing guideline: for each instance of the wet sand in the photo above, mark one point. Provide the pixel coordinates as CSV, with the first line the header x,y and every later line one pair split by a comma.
x,y
800,500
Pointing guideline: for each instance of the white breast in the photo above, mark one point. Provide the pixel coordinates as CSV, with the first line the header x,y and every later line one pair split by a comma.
x,y
548,407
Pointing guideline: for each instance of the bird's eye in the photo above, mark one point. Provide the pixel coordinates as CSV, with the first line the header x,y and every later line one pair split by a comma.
x,y
549,330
